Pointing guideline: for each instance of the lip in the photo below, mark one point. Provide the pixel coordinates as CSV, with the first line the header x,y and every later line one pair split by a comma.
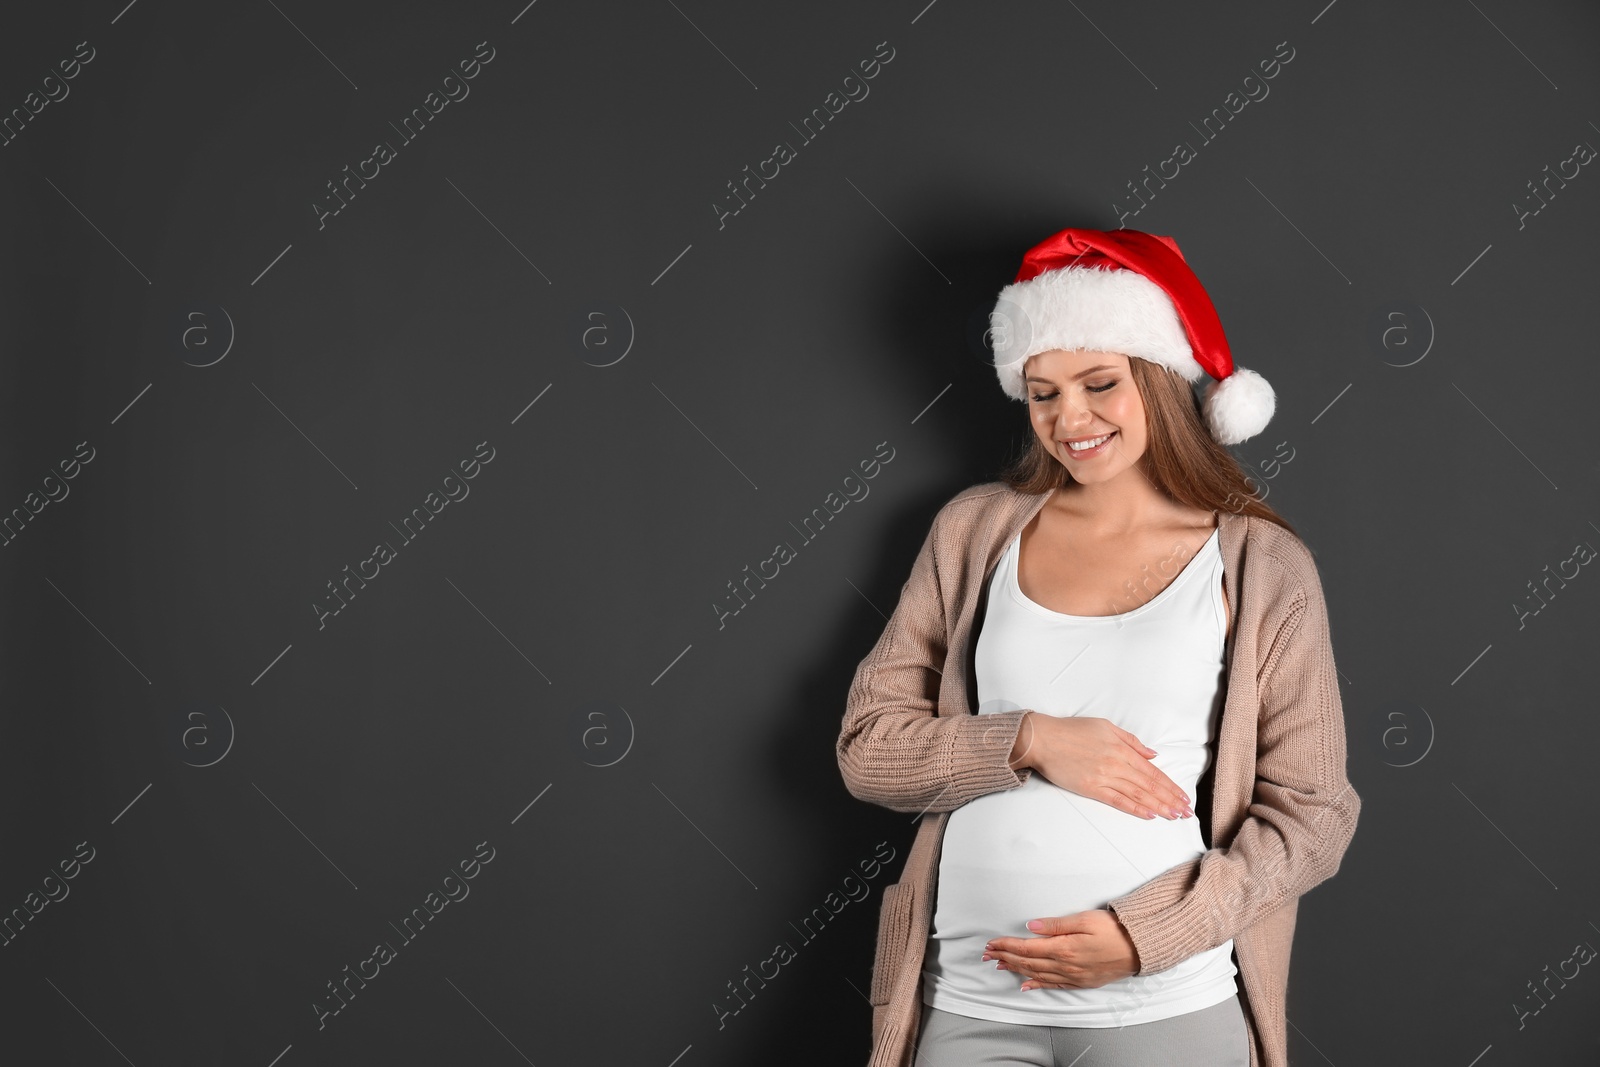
x,y
1090,453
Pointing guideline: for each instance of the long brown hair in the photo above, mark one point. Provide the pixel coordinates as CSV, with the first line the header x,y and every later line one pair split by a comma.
x,y
1181,458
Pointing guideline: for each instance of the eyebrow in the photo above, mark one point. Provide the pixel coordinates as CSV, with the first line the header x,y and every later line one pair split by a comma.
x,y
1075,377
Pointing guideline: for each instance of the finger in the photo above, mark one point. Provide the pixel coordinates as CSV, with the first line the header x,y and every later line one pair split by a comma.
x,y
1122,796
1031,971
1045,980
1137,795
1010,958
1019,964
1144,751
1167,787
1148,788
1005,960
1157,792
1118,785
1034,984
1157,782
1125,788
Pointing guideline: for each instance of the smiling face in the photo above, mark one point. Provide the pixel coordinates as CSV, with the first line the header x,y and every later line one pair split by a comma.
x,y
1082,396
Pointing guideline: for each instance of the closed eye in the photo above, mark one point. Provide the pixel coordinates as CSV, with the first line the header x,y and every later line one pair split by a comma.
x,y
1041,397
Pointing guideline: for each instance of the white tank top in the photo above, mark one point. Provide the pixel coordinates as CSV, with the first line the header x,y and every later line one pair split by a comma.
x,y
1038,850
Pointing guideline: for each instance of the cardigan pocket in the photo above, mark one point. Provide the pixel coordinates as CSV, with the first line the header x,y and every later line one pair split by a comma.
x,y
894,937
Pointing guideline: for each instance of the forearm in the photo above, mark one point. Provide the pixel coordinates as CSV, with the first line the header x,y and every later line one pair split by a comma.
x,y
894,748
1298,823
916,761
1203,902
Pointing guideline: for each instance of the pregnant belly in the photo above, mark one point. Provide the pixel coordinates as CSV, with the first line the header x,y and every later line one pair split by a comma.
x,y
1039,850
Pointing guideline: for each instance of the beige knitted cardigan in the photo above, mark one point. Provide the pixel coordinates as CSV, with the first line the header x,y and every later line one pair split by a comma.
x,y
1281,811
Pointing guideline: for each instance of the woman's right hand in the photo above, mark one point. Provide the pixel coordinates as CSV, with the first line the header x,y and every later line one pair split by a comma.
x,y
1098,759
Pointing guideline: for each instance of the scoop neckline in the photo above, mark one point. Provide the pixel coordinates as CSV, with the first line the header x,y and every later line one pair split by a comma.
x,y
1015,586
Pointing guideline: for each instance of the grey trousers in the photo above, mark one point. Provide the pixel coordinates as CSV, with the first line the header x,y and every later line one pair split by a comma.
x,y
1211,1037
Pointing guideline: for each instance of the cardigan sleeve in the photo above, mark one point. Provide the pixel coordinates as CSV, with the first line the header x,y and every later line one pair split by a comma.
x,y
894,749
1302,813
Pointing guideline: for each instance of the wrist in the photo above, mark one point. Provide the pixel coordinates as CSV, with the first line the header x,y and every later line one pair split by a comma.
x,y
1127,937
1022,748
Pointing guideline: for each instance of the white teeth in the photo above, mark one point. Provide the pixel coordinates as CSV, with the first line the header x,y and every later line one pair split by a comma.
x,y
1079,447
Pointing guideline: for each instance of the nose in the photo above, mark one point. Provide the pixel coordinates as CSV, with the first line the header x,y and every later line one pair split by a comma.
x,y
1073,417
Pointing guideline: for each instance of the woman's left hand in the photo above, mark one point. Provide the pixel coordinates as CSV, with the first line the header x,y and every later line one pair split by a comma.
x,y
1079,951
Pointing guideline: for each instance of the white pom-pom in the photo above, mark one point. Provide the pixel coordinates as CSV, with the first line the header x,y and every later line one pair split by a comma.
x,y
1239,406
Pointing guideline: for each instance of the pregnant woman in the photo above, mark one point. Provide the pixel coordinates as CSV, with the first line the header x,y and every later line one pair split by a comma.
x,y
1109,689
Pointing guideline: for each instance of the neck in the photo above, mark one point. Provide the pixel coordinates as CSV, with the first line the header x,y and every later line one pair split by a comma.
x,y
1127,503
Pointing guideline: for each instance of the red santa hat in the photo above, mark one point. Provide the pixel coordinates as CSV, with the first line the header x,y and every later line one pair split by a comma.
x,y
1129,292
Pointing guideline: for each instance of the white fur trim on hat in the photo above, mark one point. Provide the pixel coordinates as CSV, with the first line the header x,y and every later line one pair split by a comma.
x,y
1090,309
1238,406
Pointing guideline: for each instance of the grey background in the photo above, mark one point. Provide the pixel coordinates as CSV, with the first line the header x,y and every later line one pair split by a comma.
x,y
561,615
